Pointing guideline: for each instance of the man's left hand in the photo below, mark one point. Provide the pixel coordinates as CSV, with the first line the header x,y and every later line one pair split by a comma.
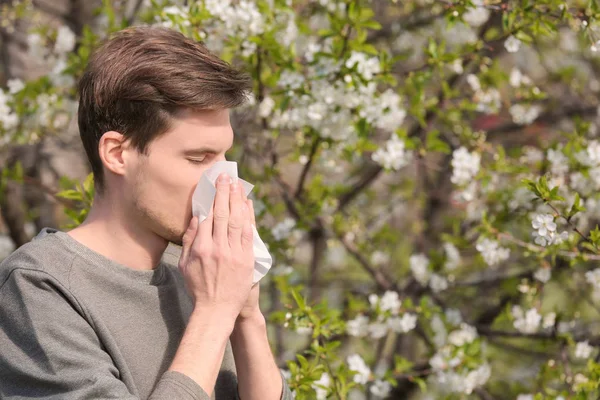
x,y
251,308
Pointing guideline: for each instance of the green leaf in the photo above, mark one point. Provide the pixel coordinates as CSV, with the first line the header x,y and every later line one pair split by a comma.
x,y
434,143
576,207
70,194
299,299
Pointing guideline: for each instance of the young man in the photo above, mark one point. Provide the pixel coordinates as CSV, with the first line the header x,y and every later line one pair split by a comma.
x,y
98,312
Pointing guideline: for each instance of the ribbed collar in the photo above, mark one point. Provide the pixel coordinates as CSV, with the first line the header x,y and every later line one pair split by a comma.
x,y
150,277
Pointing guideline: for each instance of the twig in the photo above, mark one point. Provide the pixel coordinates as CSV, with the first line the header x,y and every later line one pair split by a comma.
x,y
304,174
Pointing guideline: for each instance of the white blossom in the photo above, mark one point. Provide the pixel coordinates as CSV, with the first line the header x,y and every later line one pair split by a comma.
x,y
473,82
545,233
379,257
243,18
358,326
583,349
525,397
517,78
283,229
453,316
303,330
385,112
452,381
590,157
491,251
524,114
65,40
559,163
403,324
390,302
15,85
438,283
8,118
365,65
320,386
439,330
358,365
478,15
381,389
580,379
373,300
457,66
528,322
291,79
532,155
549,320
393,155
466,334
477,378
512,44
465,166
593,278
377,330
248,48
36,48
419,265
452,256
282,270
543,274
57,75
488,101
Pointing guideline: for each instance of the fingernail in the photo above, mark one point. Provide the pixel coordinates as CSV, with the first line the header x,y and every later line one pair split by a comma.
x,y
224,178
244,207
234,187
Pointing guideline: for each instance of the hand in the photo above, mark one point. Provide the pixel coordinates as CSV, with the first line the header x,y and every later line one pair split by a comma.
x,y
251,307
217,259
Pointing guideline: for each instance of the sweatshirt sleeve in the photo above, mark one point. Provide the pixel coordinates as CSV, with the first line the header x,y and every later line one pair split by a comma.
x,y
286,393
49,349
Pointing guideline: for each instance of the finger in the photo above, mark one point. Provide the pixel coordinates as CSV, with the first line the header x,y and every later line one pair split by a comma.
x,y
205,231
252,213
221,210
248,240
187,241
236,215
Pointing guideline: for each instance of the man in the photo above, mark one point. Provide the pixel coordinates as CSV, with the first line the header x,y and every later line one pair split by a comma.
x,y
97,312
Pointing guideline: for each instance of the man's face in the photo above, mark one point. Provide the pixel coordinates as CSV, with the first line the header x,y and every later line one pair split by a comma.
x,y
163,182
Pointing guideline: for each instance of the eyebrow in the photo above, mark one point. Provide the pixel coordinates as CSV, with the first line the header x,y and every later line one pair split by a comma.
x,y
199,151
203,150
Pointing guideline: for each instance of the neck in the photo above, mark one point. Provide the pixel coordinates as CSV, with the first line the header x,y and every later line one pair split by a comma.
x,y
113,232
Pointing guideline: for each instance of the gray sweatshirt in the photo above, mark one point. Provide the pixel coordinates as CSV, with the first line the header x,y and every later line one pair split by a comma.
x,y
76,325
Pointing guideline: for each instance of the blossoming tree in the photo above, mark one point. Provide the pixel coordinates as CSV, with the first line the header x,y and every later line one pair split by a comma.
x,y
427,177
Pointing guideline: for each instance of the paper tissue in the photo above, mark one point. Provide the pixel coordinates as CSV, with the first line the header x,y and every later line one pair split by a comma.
x,y
203,200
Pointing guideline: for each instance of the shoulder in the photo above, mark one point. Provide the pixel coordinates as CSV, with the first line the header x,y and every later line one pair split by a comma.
x,y
46,255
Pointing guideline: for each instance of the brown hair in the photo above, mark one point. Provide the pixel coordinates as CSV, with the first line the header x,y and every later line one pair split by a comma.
x,y
139,79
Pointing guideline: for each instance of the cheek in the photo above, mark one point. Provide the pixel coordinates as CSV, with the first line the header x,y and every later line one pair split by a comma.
x,y
177,180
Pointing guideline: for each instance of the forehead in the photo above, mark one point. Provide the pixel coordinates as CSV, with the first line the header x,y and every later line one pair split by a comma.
x,y
204,128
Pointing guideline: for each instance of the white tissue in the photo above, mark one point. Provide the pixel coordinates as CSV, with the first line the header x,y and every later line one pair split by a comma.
x,y
203,200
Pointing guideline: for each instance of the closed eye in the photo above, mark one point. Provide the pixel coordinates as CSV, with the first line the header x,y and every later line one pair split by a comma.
x,y
197,160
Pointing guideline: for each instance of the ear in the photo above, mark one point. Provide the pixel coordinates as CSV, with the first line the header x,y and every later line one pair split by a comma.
x,y
111,148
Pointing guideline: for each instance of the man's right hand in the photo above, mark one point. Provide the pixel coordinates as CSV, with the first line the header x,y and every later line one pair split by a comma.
x,y
217,259
217,262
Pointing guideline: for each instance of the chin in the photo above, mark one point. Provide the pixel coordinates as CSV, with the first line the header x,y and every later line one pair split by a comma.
x,y
174,236
178,242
